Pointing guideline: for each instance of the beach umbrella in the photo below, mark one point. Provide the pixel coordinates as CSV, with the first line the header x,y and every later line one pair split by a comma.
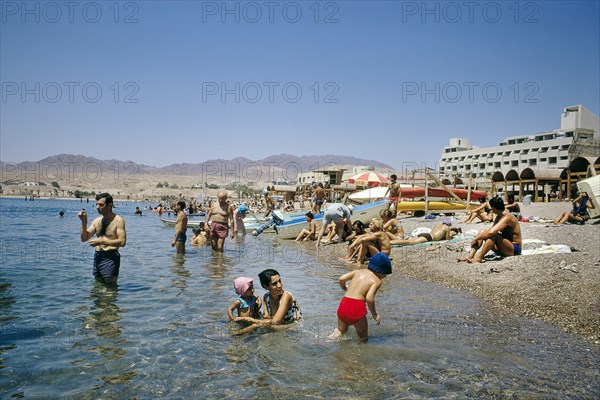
x,y
372,179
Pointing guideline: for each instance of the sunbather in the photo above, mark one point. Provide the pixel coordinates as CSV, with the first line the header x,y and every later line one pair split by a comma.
x,y
439,232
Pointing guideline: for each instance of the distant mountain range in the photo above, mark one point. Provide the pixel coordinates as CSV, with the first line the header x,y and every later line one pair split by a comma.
x,y
291,163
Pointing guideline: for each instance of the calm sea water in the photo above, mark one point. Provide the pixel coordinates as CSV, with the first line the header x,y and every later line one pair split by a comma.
x,y
163,333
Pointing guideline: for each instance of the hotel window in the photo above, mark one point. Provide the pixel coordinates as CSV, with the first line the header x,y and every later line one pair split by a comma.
x,y
507,153
497,165
552,160
514,163
543,159
564,157
533,161
506,162
564,147
543,150
554,148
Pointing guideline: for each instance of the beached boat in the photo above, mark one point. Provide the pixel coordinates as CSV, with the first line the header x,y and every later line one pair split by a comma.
x,y
407,206
414,192
364,213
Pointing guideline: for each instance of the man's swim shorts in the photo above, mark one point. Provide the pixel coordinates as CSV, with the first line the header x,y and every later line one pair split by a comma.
x,y
107,263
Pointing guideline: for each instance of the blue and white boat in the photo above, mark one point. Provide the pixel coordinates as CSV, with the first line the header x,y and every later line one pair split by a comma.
x,y
364,213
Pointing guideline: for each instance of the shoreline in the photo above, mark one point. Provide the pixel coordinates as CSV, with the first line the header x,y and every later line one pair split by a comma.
x,y
562,289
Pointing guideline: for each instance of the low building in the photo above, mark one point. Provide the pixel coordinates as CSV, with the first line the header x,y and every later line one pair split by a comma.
x,y
560,154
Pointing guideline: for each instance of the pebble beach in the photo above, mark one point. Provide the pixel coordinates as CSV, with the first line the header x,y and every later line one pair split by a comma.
x,y
561,289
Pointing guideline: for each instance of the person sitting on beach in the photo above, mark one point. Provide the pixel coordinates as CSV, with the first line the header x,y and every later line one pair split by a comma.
x,y
238,221
483,212
247,304
180,228
339,213
200,238
439,232
218,218
311,232
372,243
280,307
579,214
504,237
391,226
358,229
360,293
394,192
513,206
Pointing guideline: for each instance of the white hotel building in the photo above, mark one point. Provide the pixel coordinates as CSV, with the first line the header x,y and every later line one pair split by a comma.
x,y
557,157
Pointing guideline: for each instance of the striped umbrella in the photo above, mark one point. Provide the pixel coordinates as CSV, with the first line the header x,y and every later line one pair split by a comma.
x,y
371,179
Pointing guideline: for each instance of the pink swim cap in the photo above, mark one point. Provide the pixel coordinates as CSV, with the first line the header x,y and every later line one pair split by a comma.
x,y
242,284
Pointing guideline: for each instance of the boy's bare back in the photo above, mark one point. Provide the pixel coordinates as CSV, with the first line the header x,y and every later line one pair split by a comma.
x,y
363,282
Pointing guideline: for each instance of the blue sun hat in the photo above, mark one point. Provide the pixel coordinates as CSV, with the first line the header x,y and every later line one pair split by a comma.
x,y
380,263
243,209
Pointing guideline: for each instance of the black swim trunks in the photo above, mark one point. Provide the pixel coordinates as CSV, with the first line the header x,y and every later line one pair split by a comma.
x,y
107,263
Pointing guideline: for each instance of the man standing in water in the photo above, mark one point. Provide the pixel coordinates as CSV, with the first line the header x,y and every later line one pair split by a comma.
x,y
180,228
109,229
218,217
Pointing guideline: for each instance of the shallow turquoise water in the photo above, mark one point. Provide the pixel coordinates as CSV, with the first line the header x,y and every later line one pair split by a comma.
x,y
163,333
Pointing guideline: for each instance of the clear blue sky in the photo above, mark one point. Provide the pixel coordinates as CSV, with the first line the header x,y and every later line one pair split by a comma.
x,y
188,81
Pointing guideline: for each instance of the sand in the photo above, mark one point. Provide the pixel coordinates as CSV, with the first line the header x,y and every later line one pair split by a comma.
x,y
538,286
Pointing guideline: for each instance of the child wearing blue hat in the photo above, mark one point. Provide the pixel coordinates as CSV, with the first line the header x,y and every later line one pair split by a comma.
x,y
238,220
360,293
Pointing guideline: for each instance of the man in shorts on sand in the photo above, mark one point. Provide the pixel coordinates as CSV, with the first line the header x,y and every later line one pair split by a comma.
x,y
394,191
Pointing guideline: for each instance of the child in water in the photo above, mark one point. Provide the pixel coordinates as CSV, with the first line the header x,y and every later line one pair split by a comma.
x,y
360,293
247,304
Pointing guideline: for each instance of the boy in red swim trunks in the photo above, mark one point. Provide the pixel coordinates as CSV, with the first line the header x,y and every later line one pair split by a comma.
x,y
360,293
